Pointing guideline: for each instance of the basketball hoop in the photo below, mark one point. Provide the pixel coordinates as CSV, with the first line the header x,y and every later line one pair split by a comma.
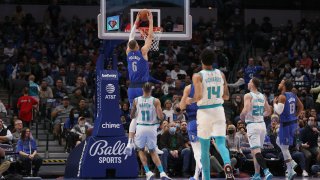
x,y
156,36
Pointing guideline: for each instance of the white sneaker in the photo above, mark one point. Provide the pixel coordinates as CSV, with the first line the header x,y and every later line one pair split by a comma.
x,y
291,175
305,173
158,151
164,176
128,149
149,175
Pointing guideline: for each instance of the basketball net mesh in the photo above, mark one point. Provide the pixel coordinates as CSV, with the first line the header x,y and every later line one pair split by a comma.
x,y
156,38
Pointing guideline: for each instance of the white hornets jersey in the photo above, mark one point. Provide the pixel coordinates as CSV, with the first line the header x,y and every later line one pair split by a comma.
x,y
146,111
212,88
255,114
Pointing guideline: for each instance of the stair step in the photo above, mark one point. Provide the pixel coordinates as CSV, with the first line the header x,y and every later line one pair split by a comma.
x,y
56,148
56,155
51,143
53,161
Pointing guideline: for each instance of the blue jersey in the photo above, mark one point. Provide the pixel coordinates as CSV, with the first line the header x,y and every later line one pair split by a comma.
x,y
138,68
192,108
289,111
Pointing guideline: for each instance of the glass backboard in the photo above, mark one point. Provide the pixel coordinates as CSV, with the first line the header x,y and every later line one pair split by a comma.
x,y
117,16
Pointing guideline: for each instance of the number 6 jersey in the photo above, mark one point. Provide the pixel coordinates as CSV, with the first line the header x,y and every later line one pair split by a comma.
x,y
146,111
138,67
212,88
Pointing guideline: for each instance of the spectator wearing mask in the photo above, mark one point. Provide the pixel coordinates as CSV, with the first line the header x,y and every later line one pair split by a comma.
x,y
70,123
5,134
233,144
174,150
25,105
309,138
27,149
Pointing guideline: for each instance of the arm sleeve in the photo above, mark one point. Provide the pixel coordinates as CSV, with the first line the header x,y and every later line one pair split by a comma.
x,y
132,33
278,108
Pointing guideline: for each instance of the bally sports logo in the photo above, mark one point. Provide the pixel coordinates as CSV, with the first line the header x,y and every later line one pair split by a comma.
x,y
108,153
110,90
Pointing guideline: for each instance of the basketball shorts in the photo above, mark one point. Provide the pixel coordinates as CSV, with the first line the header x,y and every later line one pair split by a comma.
x,y
287,132
256,134
133,93
211,122
146,136
192,130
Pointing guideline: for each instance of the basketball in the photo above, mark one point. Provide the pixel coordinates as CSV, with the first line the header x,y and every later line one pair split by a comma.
x,y
144,14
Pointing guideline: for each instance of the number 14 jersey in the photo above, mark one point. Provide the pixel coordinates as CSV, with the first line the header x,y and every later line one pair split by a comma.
x,y
212,88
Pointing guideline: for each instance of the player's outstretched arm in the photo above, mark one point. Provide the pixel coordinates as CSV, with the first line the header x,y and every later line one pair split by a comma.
x,y
157,104
279,104
183,102
247,104
300,107
133,112
226,95
267,109
133,31
148,41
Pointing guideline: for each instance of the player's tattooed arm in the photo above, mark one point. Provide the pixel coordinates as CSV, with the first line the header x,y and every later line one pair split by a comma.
x,y
226,94
133,113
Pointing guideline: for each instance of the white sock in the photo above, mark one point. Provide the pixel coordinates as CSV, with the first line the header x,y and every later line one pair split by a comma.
x,y
289,167
197,155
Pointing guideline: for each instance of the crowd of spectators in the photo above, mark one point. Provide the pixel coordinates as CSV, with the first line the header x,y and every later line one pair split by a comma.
x,y
56,59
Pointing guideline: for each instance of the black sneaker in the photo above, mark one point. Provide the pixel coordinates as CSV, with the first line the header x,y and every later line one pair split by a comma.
x,y
228,172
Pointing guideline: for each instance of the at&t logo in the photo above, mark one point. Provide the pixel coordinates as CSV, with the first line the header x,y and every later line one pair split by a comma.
x,y
110,89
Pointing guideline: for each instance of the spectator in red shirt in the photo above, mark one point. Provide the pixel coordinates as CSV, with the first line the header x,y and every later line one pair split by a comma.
x,y
306,62
25,105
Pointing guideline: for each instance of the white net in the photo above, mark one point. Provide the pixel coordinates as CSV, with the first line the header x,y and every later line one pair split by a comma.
x,y
156,38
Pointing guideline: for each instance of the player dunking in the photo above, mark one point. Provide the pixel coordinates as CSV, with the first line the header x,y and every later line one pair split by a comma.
x,y
255,108
146,109
191,111
138,69
289,106
210,92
